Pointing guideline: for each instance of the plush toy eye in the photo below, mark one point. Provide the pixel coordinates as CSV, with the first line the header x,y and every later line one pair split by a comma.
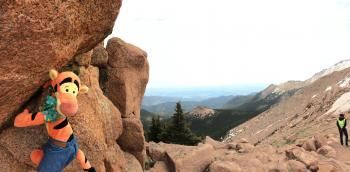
x,y
67,90
73,92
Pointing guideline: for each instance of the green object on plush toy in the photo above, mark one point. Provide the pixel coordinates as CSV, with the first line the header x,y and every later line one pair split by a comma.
x,y
49,109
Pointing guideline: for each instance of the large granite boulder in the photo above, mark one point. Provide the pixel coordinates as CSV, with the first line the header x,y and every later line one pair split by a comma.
x,y
36,36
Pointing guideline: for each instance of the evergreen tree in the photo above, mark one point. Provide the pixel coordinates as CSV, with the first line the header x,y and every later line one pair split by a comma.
x,y
177,130
155,130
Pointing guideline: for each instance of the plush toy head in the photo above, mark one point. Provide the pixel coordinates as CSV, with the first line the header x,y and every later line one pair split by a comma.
x,y
66,87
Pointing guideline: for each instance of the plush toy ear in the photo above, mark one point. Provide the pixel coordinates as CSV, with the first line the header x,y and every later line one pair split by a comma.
x,y
53,74
84,89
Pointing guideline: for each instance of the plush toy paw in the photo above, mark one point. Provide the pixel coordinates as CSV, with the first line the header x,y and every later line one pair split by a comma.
x,y
92,169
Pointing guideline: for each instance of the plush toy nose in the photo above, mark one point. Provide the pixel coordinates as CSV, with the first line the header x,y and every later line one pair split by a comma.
x,y
68,104
69,109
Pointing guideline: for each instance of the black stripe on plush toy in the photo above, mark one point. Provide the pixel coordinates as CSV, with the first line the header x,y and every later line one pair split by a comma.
x,y
34,115
92,169
76,83
62,124
70,138
69,79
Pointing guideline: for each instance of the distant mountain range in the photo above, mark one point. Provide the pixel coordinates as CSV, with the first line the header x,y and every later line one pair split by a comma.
x,y
166,105
229,111
232,111
247,107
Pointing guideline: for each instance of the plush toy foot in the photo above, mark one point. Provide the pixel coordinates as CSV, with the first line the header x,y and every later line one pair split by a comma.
x,y
92,169
36,156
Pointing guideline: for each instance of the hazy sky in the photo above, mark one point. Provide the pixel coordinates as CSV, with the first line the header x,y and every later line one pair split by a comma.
x,y
234,42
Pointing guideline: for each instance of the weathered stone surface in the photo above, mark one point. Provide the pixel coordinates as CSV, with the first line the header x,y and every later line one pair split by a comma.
x,y
181,158
277,166
224,166
251,164
309,145
83,59
127,76
332,165
244,147
301,155
17,144
160,166
36,36
319,141
189,158
215,144
132,139
99,56
132,164
327,151
155,151
296,166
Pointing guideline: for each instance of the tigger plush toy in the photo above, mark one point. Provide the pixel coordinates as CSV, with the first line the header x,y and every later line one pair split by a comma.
x,y
61,103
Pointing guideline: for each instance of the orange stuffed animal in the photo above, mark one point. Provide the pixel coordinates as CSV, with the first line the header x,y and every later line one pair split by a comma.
x,y
62,146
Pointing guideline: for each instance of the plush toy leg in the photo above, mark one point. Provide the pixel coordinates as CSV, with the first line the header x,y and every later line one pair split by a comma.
x,y
36,156
84,163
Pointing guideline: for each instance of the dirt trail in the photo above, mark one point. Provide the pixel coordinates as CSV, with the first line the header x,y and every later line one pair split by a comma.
x,y
343,152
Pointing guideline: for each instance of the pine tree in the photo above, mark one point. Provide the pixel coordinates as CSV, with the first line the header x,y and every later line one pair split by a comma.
x,y
155,130
177,131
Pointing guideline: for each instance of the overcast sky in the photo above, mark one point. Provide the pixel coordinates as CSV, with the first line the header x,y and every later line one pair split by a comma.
x,y
234,42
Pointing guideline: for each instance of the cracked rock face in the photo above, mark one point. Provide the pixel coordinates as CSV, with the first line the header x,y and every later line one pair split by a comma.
x,y
127,76
37,36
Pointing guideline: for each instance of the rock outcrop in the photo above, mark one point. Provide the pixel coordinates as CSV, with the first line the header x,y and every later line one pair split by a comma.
x,y
182,158
36,36
202,112
99,56
127,76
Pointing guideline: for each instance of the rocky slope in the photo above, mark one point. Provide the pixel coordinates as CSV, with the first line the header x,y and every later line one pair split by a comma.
x,y
305,111
317,154
66,36
237,101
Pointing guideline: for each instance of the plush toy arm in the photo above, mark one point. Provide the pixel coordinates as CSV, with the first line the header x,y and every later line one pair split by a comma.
x,y
26,119
84,163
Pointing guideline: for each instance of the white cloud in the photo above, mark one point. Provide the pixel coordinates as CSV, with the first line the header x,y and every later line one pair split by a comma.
x,y
228,42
